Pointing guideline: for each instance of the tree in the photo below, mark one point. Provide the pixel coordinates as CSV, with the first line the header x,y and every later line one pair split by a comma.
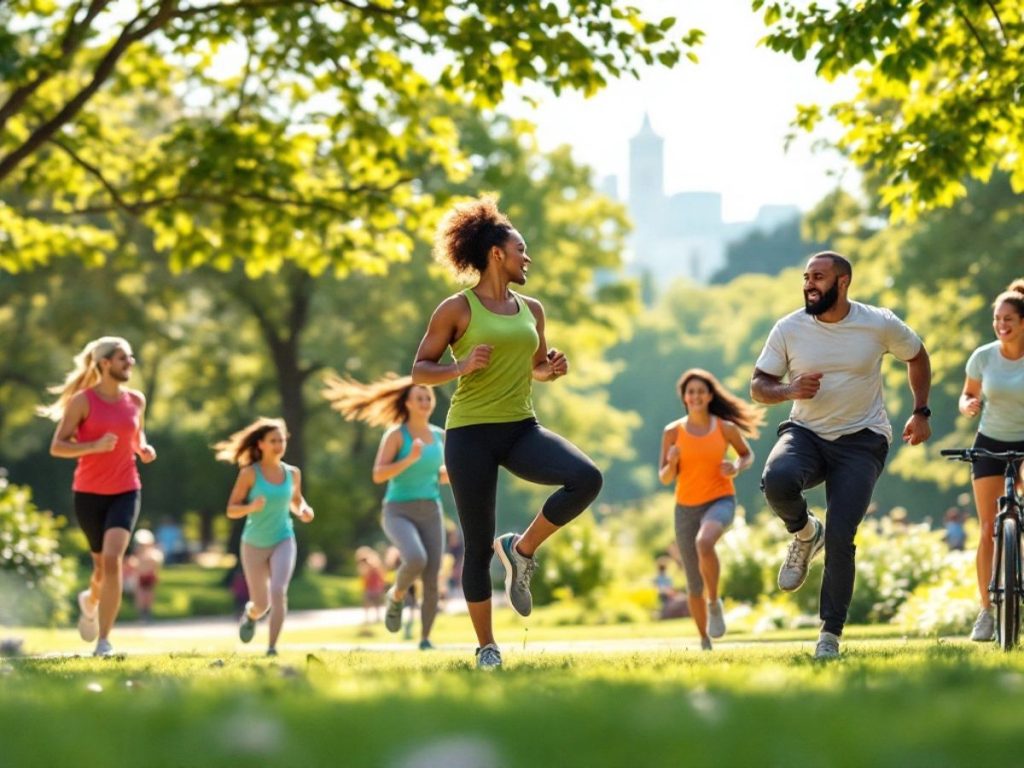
x,y
267,131
939,94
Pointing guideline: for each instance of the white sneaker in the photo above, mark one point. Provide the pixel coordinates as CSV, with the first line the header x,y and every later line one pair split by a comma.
x,y
984,626
828,646
798,557
103,648
488,657
88,623
716,619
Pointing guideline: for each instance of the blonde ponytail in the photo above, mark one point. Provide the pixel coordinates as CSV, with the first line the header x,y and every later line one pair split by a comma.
x,y
84,375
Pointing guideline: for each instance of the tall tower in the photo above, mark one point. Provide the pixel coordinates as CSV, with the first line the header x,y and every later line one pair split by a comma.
x,y
646,199
646,178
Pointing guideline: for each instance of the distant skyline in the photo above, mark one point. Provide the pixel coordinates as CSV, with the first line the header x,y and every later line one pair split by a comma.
x,y
724,119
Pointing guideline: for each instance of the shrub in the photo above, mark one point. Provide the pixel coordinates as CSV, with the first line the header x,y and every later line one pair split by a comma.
x,y
573,561
36,581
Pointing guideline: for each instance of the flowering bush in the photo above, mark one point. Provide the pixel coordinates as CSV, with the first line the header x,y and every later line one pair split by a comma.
x,y
35,579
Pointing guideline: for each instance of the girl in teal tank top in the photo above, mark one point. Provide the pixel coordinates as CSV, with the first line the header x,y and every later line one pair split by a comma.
x,y
410,460
266,494
496,338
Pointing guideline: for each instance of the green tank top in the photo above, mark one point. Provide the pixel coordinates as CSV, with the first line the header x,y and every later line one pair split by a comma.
x,y
503,391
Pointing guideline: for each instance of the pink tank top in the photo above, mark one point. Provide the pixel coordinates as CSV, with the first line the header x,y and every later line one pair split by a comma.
x,y
113,472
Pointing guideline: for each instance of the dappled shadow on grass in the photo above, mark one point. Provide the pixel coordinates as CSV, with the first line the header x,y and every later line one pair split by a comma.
x,y
884,703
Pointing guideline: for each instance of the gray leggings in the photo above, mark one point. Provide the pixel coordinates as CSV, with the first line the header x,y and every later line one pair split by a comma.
x,y
688,523
270,567
417,529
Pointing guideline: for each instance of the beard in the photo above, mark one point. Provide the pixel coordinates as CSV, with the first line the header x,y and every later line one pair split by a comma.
x,y
825,303
121,375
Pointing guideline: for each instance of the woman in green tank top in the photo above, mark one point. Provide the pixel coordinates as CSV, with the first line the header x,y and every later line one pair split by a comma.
x,y
496,337
410,460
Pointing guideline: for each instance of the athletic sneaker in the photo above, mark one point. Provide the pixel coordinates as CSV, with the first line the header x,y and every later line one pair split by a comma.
x,y
271,651
984,626
426,645
88,625
393,613
799,555
103,648
518,572
716,619
705,643
488,657
247,627
828,646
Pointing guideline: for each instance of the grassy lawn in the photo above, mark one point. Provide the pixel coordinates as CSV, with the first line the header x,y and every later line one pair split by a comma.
x,y
754,701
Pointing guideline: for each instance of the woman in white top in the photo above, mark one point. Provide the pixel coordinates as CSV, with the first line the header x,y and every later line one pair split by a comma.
x,y
995,389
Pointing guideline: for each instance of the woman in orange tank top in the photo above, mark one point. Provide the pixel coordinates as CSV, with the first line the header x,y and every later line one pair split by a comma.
x,y
693,454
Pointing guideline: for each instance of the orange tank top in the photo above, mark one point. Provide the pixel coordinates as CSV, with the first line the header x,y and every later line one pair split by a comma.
x,y
700,477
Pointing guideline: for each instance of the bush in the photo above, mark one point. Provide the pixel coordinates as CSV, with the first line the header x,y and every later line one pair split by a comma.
x,y
36,581
572,561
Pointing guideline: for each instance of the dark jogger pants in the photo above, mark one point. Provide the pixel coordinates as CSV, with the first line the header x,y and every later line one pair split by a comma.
x,y
849,466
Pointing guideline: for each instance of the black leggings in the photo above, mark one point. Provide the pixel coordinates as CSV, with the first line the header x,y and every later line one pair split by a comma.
x,y
472,456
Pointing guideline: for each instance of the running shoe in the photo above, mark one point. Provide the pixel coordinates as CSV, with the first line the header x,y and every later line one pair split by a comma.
x,y
271,651
88,624
716,618
247,627
984,626
518,572
488,657
793,572
827,647
426,645
103,648
705,643
393,613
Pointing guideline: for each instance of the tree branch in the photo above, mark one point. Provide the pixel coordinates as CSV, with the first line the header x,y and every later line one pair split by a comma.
x,y
92,170
72,40
129,35
999,21
974,32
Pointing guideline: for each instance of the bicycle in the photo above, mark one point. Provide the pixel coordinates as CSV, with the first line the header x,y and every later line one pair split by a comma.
x,y
1006,585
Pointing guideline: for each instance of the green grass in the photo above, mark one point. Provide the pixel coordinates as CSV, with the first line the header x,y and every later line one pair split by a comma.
x,y
887,702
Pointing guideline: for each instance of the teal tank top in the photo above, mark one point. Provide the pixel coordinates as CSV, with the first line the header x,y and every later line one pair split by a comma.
x,y
503,391
273,523
420,480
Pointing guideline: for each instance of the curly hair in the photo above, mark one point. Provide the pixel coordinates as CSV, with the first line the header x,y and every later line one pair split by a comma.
x,y
724,404
1014,294
243,447
380,403
467,233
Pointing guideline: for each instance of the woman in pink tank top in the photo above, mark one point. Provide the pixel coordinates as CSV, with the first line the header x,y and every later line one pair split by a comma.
x,y
100,423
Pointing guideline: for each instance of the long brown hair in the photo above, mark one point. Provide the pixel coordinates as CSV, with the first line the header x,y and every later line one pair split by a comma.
x,y
725,404
243,447
380,403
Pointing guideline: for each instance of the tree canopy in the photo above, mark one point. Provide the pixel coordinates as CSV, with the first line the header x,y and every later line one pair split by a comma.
x,y
939,89
268,131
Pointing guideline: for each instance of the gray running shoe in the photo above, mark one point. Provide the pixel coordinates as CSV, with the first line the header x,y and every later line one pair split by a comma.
x,y
488,657
426,645
828,646
271,651
393,614
705,643
103,648
247,627
88,625
518,572
984,626
716,618
798,557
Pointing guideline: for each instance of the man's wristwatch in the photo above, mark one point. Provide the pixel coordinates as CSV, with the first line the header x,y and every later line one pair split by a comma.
x,y
924,410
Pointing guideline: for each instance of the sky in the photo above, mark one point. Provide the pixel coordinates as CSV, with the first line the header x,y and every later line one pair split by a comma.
x,y
724,120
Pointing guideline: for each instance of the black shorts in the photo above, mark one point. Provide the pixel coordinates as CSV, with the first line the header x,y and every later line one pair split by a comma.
x,y
985,467
97,513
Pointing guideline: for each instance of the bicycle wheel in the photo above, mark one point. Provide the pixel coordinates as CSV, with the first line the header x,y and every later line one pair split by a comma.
x,y
1008,577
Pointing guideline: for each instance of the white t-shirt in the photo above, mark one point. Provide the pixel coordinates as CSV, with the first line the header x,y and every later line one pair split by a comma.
x,y
1002,390
849,355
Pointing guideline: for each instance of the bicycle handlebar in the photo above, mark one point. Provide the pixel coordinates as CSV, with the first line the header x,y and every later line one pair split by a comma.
x,y
973,454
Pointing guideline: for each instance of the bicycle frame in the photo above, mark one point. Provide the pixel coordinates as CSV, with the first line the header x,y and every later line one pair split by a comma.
x,y
1006,583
